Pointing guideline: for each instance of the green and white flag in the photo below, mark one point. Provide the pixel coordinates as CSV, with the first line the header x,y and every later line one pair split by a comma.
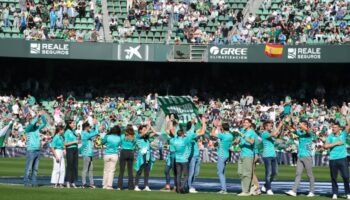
x,y
182,106
4,132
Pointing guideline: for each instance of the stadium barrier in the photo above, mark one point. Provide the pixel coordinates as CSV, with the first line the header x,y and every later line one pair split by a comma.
x,y
174,53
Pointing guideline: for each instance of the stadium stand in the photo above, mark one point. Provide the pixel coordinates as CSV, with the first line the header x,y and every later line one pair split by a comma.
x,y
40,20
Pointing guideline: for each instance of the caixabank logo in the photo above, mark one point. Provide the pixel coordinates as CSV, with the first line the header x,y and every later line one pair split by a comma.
x,y
304,53
228,53
49,49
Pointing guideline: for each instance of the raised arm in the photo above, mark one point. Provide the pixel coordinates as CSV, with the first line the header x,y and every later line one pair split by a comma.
x,y
30,126
43,122
347,128
277,130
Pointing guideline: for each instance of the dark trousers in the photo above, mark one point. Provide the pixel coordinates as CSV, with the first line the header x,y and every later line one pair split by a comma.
x,y
72,165
342,166
181,169
3,151
294,158
318,159
270,171
147,168
167,171
126,157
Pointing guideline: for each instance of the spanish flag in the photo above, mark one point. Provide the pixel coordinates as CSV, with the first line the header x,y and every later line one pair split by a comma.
x,y
274,50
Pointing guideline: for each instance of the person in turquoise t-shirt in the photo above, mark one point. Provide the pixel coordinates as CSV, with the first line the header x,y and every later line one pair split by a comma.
x,y
127,156
336,143
305,160
57,149
269,154
169,135
33,144
181,143
86,150
71,140
225,138
144,159
112,142
247,142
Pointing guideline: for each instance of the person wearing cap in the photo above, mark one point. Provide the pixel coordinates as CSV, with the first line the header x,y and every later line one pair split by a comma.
x,y
225,138
33,144
305,160
336,143
86,150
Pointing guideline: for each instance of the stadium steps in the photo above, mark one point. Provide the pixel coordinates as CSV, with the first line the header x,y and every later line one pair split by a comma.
x,y
198,52
107,34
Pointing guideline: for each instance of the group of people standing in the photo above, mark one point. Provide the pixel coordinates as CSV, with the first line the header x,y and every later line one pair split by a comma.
x,y
184,155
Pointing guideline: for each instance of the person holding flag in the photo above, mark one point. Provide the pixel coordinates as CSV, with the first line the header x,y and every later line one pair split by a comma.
x,y
170,124
225,138
33,144
4,133
336,143
194,158
181,143
57,149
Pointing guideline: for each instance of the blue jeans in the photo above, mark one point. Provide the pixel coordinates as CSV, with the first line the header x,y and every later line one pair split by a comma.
x,y
342,166
221,164
167,171
193,169
270,171
32,164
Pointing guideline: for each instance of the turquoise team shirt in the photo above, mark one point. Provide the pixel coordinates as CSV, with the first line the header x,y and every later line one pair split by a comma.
x,y
269,145
181,147
193,146
128,144
305,144
337,152
57,142
112,142
69,136
247,149
86,142
225,142
33,140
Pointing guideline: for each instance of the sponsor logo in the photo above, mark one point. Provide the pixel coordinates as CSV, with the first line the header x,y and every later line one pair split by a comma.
x,y
228,53
133,52
304,53
49,49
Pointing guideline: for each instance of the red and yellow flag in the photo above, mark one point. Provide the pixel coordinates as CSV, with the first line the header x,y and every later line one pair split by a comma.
x,y
274,50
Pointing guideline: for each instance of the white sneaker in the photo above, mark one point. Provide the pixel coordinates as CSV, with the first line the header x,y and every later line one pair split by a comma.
x,y
73,185
336,196
269,192
193,190
243,194
310,194
137,189
291,193
263,189
68,185
147,189
348,196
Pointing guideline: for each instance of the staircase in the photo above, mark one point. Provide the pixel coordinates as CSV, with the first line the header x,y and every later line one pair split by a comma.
x,y
188,53
198,53
107,34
